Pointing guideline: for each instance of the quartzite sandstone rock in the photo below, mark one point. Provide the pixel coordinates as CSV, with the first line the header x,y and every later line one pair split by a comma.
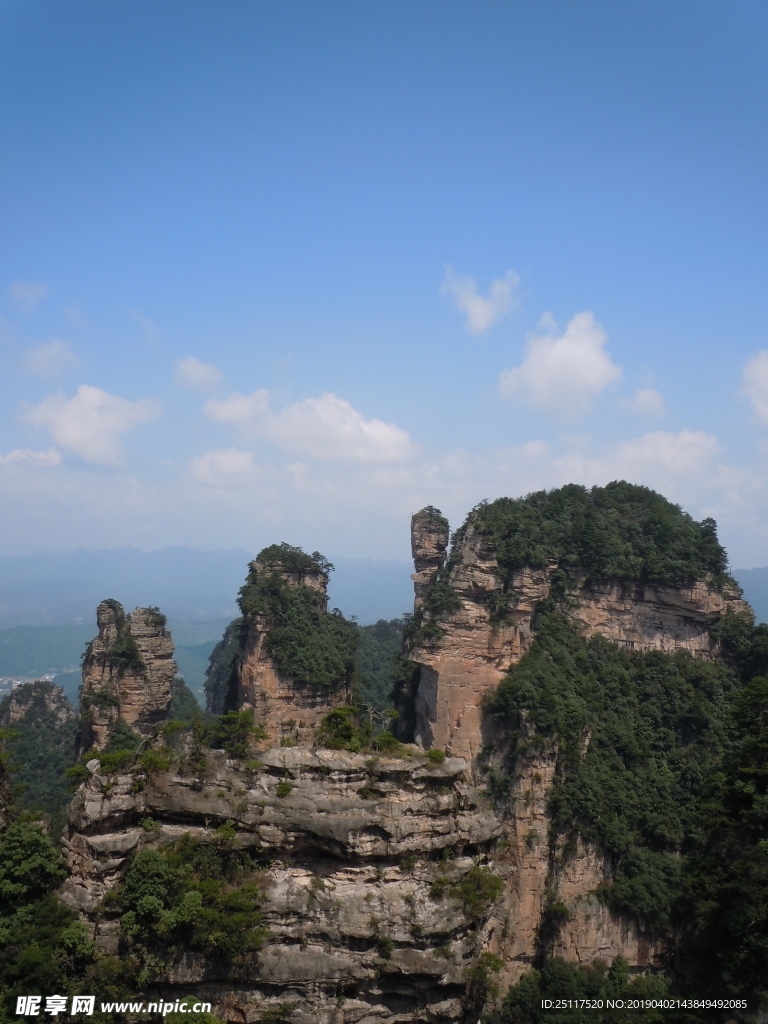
x,y
474,653
429,543
286,709
355,933
127,672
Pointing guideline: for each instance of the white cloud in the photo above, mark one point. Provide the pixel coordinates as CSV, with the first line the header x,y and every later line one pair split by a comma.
x,y
562,375
26,455
90,424
223,467
51,358
192,373
327,427
482,311
755,377
645,402
27,294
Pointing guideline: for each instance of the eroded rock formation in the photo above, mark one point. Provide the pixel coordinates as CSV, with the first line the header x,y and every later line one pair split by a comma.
x,y
474,651
288,709
41,696
429,544
363,855
128,670
468,656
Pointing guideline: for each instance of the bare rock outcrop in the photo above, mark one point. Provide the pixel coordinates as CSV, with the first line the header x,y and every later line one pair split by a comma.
x,y
128,670
361,857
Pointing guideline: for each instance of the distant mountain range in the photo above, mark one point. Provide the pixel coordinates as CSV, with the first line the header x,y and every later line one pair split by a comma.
x,y
187,584
48,602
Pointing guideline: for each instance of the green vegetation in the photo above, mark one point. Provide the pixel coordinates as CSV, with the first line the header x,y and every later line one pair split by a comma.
x,y
663,765
156,618
618,532
723,909
435,756
376,661
43,948
313,647
350,728
637,735
189,896
183,706
221,676
566,981
478,889
40,748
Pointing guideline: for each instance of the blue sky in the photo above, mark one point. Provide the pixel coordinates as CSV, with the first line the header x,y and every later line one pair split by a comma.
x,y
292,271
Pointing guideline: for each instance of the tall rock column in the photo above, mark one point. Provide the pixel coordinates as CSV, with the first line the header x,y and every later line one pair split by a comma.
x,y
295,660
429,543
128,670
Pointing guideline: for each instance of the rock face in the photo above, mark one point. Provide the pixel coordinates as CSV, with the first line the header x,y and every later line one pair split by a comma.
x,y
474,653
470,658
429,543
41,695
128,670
362,853
287,710
534,881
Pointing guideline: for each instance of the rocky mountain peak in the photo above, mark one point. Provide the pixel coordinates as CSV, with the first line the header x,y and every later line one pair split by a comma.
x,y
128,670
295,661
429,543
41,696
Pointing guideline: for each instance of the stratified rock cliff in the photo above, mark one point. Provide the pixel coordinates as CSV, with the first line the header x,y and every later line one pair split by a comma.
x,y
471,646
363,858
128,670
391,886
474,619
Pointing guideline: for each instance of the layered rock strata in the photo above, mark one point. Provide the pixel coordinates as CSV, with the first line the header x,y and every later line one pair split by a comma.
x,y
289,712
360,858
128,670
474,652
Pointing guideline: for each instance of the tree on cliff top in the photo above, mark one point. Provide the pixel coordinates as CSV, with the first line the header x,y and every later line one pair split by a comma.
x,y
308,644
618,532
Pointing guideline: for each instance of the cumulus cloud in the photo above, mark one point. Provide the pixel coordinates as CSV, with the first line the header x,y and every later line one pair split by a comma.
x,y
31,458
51,358
482,311
645,402
91,423
27,294
563,375
192,373
327,427
755,381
